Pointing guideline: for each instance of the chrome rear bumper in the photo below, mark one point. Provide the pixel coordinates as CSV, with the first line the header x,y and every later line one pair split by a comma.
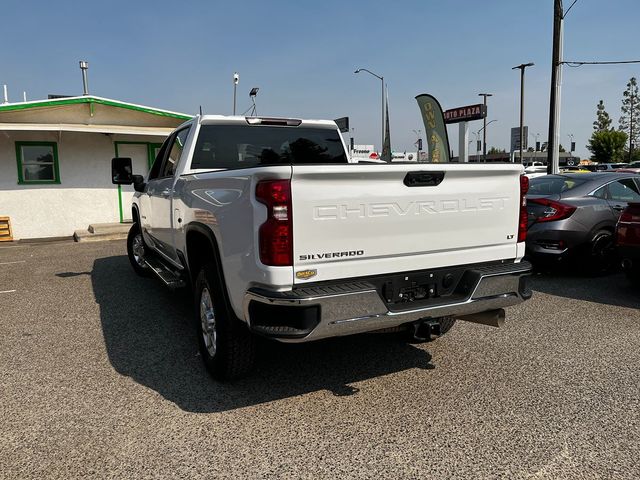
x,y
357,307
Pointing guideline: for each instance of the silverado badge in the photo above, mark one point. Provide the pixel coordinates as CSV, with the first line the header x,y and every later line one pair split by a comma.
x,y
306,274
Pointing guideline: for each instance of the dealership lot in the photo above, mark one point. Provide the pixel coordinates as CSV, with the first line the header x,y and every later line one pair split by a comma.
x,y
100,376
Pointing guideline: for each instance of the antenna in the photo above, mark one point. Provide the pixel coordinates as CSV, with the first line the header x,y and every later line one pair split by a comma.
x,y
200,110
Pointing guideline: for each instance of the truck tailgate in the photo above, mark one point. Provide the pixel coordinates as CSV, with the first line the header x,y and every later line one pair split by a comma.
x,y
358,219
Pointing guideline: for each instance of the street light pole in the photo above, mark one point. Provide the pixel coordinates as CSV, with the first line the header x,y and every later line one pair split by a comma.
x,y
484,129
522,68
477,134
417,132
381,78
484,134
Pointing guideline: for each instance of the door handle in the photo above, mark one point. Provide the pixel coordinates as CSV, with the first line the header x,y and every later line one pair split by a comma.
x,y
423,179
619,208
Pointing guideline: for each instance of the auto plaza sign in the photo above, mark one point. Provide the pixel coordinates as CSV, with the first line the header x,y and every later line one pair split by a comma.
x,y
465,114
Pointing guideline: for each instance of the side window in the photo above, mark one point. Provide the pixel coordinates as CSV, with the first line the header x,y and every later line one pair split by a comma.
x,y
624,191
171,161
601,192
157,163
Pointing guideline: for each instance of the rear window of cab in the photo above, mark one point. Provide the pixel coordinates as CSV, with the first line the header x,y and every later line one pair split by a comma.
x,y
238,146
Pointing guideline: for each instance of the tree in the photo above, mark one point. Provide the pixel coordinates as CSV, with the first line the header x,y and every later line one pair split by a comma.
x,y
496,150
607,146
630,120
561,148
603,120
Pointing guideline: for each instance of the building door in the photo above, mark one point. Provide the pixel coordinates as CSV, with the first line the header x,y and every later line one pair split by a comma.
x,y
139,154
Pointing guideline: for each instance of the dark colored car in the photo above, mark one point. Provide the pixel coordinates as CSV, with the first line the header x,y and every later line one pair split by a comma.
x,y
575,215
628,241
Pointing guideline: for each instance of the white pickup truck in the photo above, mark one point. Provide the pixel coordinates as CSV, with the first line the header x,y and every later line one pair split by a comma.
x,y
278,233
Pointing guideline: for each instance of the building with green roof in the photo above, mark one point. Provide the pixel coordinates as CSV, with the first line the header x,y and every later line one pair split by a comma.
x,y
55,160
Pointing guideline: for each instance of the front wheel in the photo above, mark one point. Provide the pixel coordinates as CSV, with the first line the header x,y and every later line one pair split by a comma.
x,y
226,345
137,251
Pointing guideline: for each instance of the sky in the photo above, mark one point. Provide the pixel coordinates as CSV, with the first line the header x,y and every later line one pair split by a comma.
x,y
182,55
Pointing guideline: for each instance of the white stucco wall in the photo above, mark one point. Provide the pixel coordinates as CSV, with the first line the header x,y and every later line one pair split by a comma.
x,y
84,196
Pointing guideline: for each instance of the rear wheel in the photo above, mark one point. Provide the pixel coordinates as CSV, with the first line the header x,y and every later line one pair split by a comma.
x,y
137,251
226,345
601,252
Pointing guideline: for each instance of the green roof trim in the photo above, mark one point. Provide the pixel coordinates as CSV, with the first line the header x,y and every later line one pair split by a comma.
x,y
91,101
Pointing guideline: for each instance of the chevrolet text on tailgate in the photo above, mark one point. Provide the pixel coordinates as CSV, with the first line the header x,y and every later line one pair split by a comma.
x,y
278,233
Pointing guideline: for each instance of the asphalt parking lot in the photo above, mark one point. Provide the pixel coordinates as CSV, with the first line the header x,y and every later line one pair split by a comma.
x,y
100,377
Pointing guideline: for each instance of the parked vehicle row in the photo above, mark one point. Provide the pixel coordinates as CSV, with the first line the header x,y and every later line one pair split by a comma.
x,y
574,216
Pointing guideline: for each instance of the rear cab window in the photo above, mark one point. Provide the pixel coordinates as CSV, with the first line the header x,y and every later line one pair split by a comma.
x,y
232,147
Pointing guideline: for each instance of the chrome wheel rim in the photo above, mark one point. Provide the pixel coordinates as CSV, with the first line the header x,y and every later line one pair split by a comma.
x,y
208,322
137,248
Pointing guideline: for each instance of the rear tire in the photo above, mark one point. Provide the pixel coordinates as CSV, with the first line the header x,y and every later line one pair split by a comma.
x,y
226,344
137,250
601,252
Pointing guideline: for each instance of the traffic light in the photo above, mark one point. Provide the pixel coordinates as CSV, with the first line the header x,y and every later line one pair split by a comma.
x,y
419,144
537,146
573,146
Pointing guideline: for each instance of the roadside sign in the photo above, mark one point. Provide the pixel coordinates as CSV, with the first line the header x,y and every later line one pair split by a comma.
x,y
465,114
515,138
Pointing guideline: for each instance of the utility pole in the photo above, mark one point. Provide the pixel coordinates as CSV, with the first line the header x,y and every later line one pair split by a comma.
x,y
631,125
484,135
522,68
553,160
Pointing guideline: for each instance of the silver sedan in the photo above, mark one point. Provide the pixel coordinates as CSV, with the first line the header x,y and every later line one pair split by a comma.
x,y
574,216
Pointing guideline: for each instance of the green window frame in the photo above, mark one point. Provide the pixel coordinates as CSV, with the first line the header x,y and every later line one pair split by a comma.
x,y
21,163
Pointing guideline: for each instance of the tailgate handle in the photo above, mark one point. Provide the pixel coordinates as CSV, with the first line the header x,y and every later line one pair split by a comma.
x,y
423,179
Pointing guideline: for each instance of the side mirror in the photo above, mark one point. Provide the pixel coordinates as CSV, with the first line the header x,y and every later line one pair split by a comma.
x,y
121,171
138,183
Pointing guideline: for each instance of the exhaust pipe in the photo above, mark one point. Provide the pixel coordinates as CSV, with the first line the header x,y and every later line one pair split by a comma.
x,y
492,318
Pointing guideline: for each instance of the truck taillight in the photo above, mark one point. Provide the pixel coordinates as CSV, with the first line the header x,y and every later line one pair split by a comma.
x,y
522,222
276,234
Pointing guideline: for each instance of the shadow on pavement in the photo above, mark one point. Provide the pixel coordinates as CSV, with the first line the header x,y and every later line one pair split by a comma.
x,y
611,289
149,337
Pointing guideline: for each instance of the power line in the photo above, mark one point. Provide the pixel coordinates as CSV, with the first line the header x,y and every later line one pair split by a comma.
x,y
579,64
570,6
